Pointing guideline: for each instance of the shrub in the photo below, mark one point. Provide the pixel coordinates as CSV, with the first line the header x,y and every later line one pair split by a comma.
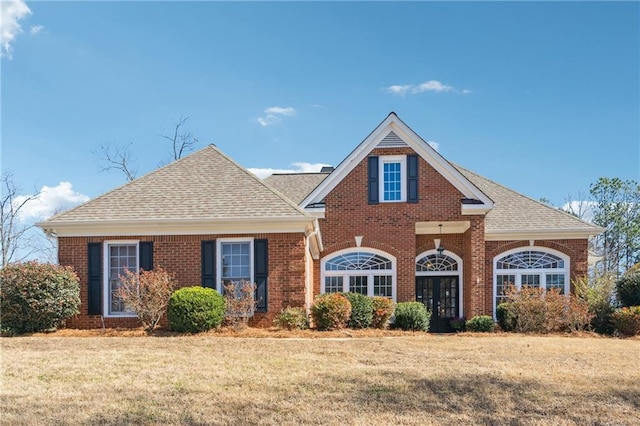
x,y
480,323
195,309
147,293
292,319
533,310
330,311
240,302
628,289
457,324
383,309
412,316
361,310
598,292
37,296
627,320
504,316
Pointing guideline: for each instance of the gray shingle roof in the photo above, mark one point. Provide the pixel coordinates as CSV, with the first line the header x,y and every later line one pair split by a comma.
x,y
206,185
296,186
515,212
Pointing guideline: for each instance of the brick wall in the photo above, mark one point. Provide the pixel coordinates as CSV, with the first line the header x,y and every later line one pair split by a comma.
x,y
180,255
389,227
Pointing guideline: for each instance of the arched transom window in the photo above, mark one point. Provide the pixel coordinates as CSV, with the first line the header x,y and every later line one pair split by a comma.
x,y
435,262
363,270
533,266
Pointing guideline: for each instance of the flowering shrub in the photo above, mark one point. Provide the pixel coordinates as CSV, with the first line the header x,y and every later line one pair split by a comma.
x,y
195,309
37,296
330,311
292,319
361,310
627,320
147,293
480,323
383,309
412,316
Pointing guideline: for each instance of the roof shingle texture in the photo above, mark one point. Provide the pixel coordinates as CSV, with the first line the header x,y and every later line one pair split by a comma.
x,y
515,212
206,185
296,186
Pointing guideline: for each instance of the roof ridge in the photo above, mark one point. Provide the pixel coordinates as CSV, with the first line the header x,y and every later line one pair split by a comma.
x,y
552,208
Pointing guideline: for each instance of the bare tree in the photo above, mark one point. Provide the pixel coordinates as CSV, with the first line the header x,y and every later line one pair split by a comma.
x,y
181,141
14,234
116,157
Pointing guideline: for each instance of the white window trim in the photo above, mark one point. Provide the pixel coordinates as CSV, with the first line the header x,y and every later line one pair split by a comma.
x,y
518,273
368,273
219,243
457,273
105,275
402,159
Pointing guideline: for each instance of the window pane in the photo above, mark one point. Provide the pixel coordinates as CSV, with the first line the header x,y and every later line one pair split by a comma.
x,y
236,262
121,257
530,280
358,284
530,259
392,181
557,281
358,261
382,285
436,262
503,282
333,284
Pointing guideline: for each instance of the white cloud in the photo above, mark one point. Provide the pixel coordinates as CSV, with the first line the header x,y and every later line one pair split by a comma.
x,y
274,115
583,209
428,86
11,13
36,29
50,200
298,167
434,145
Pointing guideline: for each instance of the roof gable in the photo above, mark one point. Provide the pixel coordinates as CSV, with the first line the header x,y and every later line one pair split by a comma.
x,y
393,132
204,187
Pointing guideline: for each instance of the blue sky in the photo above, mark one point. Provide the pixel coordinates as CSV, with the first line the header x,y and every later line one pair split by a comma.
x,y
541,97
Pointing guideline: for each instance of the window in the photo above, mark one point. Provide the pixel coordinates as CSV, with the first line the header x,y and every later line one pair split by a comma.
x,y
534,267
393,179
235,261
119,256
366,271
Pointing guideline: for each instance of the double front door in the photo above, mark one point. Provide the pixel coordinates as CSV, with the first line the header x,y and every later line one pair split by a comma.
x,y
440,294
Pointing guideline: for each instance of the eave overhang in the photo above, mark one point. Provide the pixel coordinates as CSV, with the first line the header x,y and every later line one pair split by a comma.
x,y
542,234
144,227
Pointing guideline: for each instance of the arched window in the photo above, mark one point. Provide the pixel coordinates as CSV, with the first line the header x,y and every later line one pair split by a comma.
x,y
362,270
432,261
530,266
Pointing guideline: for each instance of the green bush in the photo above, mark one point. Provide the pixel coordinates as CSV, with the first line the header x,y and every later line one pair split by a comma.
x,y
195,309
628,289
598,292
458,324
330,311
361,310
480,323
37,296
292,319
506,320
627,320
383,309
412,316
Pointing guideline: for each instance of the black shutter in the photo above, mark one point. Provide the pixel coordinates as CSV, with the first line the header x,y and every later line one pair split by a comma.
x,y
94,294
261,273
146,255
209,264
373,180
412,178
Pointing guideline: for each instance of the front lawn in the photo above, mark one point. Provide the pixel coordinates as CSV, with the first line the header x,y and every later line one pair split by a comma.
x,y
411,379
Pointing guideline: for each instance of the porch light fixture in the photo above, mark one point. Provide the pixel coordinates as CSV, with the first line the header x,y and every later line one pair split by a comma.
x,y
438,243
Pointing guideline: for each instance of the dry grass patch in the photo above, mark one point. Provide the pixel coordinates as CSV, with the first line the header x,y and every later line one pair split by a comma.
x,y
414,379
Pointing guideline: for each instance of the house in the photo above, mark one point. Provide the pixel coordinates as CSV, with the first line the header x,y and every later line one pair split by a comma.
x,y
394,219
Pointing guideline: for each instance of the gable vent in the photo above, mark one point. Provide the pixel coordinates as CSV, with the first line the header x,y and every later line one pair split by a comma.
x,y
391,141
